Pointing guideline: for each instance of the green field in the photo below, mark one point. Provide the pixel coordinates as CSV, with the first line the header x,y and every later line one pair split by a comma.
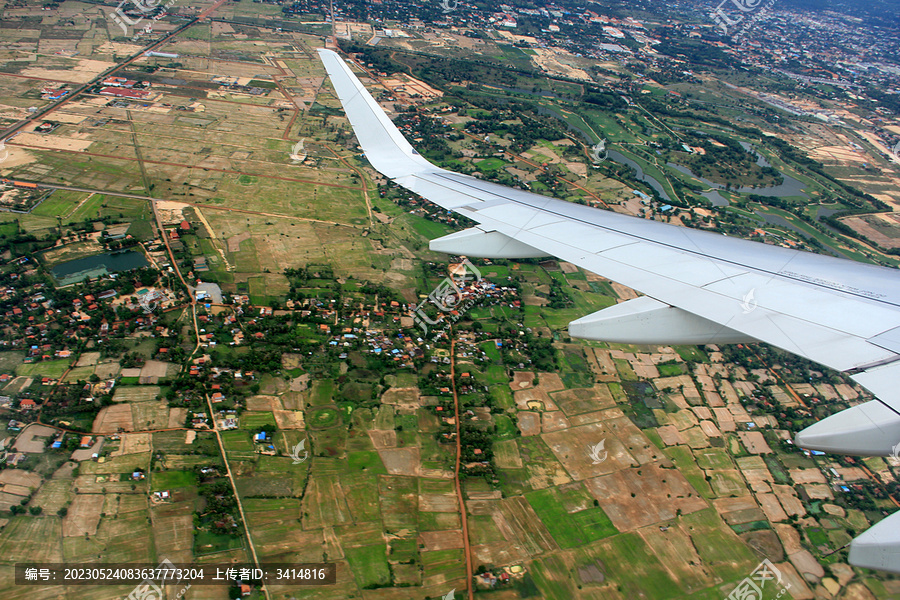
x,y
256,420
167,480
569,529
369,565
47,368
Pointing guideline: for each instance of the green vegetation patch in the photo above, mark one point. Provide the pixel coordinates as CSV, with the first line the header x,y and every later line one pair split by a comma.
x,y
167,480
369,565
569,529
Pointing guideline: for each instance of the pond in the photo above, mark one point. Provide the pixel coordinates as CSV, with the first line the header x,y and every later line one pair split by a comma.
x,y
97,265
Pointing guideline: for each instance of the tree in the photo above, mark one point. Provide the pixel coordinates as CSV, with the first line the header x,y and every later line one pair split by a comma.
x,y
35,510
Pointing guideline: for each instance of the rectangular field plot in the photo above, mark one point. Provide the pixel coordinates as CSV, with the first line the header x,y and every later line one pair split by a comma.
x,y
135,393
26,539
569,529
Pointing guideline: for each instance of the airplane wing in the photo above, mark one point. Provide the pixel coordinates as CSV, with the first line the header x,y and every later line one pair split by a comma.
x,y
700,287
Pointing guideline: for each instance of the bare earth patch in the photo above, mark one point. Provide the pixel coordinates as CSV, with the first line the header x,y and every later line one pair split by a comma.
x,y
632,501
401,461
111,418
441,540
32,438
83,516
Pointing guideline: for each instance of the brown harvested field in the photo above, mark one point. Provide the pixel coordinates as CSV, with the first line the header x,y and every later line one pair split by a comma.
x,y
16,490
107,370
19,477
798,585
789,500
289,419
770,505
263,403
150,415
440,540
727,482
234,242
498,553
173,531
83,516
675,549
88,359
884,230
405,399
136,393
177,417
582,400
111,418
758,479
766,543
520,525
805,563
807,476
695,438
554,421
53,495
32,438
400,461
624,446
744,516
597,416
632,501
709,429
670,435
155,368
602,364
529,423
521,380
383,438
754,442
534,399
32,540
683,419
133,443
437,503
550,382
818,491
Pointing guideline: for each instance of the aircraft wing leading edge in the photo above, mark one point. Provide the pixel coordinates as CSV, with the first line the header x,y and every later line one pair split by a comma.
x,y
700,287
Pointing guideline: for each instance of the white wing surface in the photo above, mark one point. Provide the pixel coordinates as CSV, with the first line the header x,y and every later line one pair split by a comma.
x,y
700,287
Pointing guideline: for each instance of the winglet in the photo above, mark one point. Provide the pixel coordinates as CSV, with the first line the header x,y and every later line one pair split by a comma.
x,y
385,147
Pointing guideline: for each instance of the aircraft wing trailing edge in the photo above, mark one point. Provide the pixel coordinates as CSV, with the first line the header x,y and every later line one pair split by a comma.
x,y
700,287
